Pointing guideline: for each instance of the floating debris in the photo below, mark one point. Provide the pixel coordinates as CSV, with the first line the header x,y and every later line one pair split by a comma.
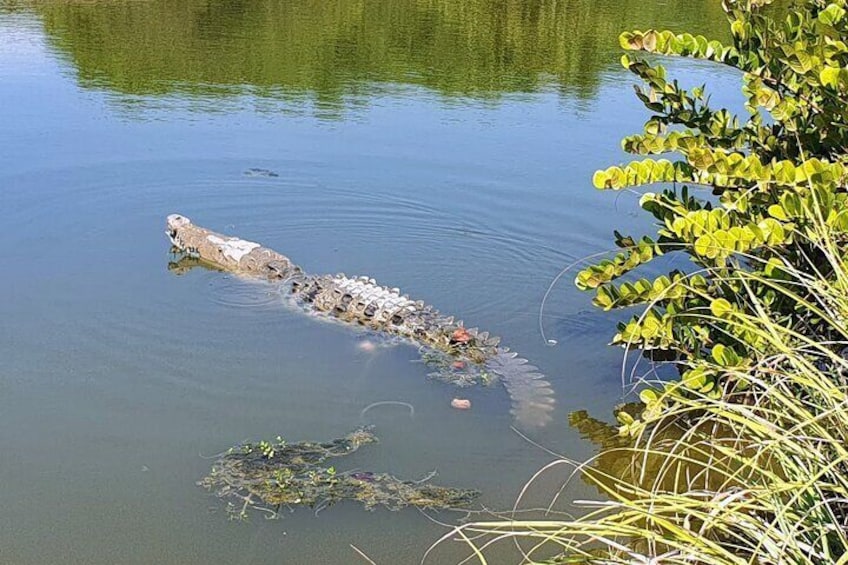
x,y
389,403
271,475
266,173
461,404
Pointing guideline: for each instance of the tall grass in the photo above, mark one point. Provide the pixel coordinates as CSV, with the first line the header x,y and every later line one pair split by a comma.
x,y
755,474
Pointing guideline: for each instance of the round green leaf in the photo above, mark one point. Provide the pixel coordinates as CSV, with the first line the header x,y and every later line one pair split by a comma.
x,y
720,308
777,211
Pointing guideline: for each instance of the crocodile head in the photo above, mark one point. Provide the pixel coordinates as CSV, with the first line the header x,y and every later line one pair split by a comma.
x,y
174,223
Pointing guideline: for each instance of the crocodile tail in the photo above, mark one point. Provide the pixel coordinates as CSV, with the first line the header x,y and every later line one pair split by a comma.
x,y
531,394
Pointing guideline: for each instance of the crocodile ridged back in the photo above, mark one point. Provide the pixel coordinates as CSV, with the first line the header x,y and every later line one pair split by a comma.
x,y
361,300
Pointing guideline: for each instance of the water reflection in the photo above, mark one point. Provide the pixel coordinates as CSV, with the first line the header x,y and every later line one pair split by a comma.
x,y
339,51
678,460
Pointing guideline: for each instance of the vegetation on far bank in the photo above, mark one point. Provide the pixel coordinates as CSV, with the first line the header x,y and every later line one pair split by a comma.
x,y
334,50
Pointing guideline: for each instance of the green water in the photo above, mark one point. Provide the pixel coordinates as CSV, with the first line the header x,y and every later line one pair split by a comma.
x,y
443,147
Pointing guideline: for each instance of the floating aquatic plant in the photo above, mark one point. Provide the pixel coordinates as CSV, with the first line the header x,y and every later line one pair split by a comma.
x,y
271,475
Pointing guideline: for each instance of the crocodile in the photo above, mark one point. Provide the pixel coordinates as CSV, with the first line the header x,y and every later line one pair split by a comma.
x,y
469,356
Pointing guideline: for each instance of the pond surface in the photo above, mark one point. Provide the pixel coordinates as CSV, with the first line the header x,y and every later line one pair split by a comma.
x,y
443,147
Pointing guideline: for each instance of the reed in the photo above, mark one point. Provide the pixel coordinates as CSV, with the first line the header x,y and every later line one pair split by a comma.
x,y
755,474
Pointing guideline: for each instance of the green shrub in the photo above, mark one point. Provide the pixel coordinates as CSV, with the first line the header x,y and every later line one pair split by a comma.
x,y
778,176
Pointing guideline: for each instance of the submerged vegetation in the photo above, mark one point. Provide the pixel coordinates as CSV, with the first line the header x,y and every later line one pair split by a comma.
x,y
743,458
268,476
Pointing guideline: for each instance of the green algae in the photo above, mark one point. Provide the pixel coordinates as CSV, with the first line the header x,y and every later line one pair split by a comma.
x,y
269,476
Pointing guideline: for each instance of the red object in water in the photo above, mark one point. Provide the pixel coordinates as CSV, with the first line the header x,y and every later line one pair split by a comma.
x,y
460,335
458,364
461,403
